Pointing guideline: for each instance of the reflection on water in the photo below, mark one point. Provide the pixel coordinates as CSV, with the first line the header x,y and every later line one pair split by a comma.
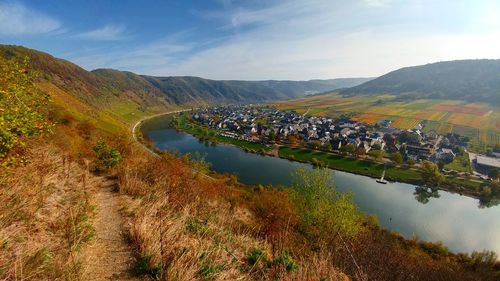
x,y
424,194
455,220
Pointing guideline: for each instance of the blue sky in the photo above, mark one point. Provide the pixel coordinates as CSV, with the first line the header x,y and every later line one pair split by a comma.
x,y
258,39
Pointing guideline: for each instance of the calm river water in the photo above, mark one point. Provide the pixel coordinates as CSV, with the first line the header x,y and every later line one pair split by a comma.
x,y
455,220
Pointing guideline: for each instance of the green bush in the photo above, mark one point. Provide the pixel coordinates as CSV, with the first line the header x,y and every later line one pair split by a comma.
x,y
22,106
107,157
254,256
323,211
285,261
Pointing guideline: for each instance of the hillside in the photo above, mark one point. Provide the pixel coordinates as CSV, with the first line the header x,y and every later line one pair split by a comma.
x,y
194,89
98,90
108,88
469,80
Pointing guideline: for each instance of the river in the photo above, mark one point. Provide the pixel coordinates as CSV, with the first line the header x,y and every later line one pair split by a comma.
x,y
455,220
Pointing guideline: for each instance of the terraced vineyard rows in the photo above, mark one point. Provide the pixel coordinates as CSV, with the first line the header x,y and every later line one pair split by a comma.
x,y
478,121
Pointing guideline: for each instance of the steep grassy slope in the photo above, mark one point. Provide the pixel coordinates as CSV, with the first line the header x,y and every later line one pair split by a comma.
x,y
93,89
471,80
108,103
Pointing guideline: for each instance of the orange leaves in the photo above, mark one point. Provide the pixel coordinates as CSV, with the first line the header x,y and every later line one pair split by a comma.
x,y
276,212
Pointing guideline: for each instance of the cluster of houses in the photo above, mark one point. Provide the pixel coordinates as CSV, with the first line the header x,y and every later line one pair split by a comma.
x,y
268,125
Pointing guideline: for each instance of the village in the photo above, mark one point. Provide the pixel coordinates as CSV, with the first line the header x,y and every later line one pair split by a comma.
x,y
269,126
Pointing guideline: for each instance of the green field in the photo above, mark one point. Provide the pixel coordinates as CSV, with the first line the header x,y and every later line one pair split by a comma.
x,y
478,121
371,169
367,168
461,163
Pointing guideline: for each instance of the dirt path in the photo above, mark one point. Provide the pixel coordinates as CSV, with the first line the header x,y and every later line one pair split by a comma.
x,y
109,256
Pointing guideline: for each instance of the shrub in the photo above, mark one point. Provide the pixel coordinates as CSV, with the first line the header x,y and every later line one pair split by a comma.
x,y
323,211
107,157
254,256
277,214
285,261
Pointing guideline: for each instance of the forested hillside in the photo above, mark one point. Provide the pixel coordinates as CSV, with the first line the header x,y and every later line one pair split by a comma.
x,y
469,80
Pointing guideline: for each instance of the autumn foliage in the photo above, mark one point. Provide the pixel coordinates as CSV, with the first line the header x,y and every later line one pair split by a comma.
x,y
268,233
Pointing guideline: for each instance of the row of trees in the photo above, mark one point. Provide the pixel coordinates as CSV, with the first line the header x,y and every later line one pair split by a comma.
x,y
376,153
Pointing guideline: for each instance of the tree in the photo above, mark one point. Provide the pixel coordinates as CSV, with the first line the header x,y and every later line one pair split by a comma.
x,y
494,174
376,146
377,154
22,106
361,151
397,158
349,148
293,139
410,162
431,175
315,144
322,209
495,187
486,192
327,146
272,135
409,137
440,165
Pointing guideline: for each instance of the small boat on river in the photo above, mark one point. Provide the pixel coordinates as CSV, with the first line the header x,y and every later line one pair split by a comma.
x,y
382,180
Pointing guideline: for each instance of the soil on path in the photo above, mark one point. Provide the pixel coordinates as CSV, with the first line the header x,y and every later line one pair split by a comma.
x,y
109,256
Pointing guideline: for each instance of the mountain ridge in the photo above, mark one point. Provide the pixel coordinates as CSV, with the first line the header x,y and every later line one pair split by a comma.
x,y
469,80
102,87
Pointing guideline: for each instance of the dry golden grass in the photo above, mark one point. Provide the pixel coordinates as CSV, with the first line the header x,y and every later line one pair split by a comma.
x,y
189,227
44,208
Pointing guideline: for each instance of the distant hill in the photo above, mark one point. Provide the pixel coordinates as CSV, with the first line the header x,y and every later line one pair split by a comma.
x,y
189,89
106,87
470,80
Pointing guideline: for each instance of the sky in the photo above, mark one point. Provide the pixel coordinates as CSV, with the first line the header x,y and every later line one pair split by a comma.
x,y
255,39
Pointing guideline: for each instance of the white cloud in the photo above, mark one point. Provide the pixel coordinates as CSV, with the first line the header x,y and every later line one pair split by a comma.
x,y
16,19
295,39
141,59
298,40
378,3
110,32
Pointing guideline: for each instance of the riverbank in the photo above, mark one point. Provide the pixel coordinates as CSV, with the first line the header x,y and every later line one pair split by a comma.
x,y
139,122
365,167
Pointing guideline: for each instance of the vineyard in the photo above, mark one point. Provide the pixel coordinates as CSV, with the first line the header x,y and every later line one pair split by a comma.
x,y
478,121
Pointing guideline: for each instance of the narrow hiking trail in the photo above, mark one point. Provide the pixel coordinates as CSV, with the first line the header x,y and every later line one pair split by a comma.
x,y
108,256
